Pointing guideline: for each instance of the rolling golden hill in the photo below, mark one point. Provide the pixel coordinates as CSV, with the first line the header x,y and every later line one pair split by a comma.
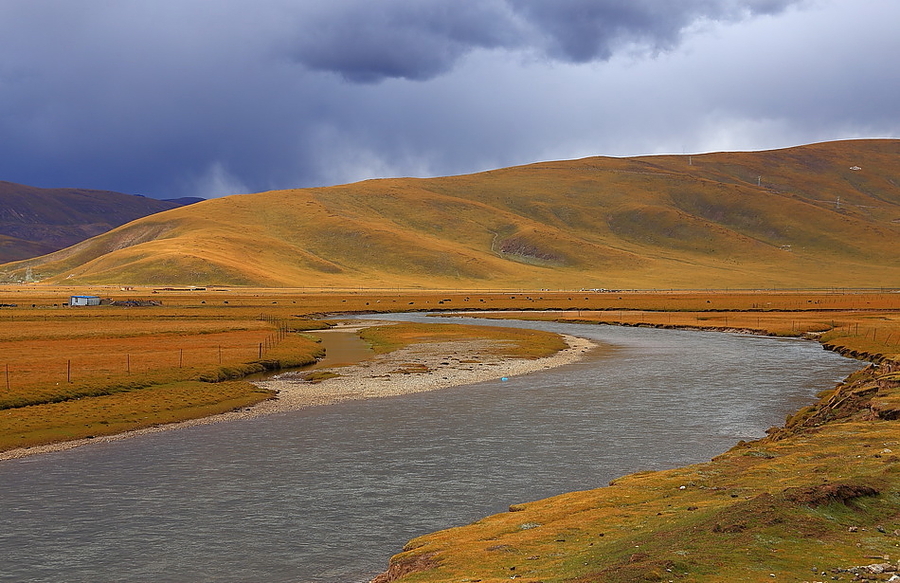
x,y
820,215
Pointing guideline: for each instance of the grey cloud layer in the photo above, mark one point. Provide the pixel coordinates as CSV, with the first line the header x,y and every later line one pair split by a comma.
x,y
212,97
368,41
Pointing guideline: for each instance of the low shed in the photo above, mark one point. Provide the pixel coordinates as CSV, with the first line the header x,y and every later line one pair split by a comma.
x,y
84,301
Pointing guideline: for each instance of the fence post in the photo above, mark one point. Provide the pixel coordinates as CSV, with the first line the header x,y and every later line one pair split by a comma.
x,y
7,377
69,371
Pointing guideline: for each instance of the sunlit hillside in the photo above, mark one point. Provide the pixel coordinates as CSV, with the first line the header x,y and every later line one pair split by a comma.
x,y
819,215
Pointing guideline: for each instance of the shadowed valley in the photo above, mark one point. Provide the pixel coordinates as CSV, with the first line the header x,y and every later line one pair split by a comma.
x,y
36,221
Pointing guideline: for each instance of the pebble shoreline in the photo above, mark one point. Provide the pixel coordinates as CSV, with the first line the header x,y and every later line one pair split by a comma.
x,y
414,369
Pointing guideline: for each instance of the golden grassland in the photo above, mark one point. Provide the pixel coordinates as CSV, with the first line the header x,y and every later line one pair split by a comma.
x,y
822,492
798,217
139,373
870,331
73,372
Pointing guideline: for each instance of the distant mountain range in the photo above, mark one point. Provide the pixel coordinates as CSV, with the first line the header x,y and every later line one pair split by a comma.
x,y
36,221
820,215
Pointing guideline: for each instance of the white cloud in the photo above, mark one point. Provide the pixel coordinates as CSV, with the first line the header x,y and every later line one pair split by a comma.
x,y
216,181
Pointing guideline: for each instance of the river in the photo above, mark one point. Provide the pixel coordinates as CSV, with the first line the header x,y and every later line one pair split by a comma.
x,y
328,494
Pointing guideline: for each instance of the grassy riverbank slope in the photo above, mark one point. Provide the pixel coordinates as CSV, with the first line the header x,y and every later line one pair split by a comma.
x,y
818,215
818,499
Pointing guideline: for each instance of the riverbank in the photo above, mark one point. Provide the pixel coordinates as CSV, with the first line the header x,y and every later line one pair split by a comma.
x,y
416,368
71,374
815,500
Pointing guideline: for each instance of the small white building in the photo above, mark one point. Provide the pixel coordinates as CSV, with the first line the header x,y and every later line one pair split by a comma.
x,y
84,301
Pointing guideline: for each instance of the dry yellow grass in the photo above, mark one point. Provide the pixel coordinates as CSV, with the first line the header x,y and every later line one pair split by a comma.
x,y
68,373
595,223
101,415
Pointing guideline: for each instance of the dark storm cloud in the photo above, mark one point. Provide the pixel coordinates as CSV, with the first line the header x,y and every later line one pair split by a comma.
x,y
213,97
366,41
586,30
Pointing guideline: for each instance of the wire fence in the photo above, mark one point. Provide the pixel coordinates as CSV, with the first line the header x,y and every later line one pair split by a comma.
x,y
21,373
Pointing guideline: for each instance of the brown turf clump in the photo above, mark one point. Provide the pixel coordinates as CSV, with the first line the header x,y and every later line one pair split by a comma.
x,y
814,496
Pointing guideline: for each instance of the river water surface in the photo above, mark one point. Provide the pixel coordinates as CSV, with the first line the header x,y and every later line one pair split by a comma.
x,y
328,494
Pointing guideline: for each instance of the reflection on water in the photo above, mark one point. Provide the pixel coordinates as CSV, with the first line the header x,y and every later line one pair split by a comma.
x,y
328,494
342,347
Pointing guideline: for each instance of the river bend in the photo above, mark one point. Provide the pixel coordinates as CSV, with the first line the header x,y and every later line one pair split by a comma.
x,y
327,494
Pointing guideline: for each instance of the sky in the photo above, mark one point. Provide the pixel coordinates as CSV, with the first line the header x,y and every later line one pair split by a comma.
x,y
207,98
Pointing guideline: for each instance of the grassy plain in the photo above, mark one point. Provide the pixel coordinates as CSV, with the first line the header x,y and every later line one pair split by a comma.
x,y
74,372
70,373
821,493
